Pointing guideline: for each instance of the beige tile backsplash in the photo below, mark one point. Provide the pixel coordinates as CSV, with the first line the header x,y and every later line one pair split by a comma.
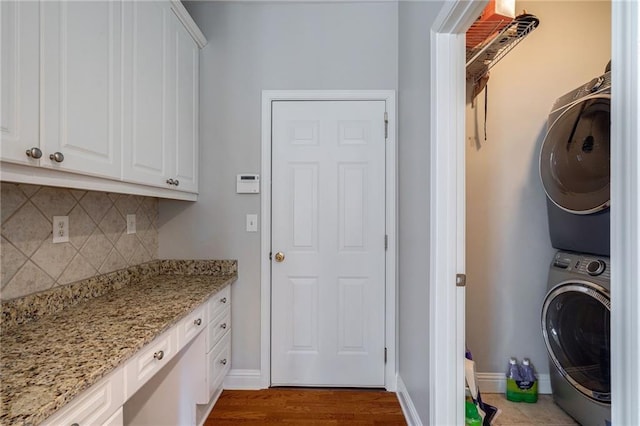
x,y
98,241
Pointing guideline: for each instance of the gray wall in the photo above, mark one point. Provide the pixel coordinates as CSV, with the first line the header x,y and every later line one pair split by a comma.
x,y
254,47
415,20
508,247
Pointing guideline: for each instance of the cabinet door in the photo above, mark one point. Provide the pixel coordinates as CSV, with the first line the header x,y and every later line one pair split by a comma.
x,y
150,101
186,142
20,65
81,91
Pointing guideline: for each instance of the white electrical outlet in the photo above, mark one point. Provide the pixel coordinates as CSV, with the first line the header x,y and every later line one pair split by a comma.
x,y
252,223
131,224
60,229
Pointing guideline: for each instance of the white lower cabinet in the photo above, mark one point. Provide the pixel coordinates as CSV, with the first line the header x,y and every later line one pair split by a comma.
x,y
95,406
165,381
194,376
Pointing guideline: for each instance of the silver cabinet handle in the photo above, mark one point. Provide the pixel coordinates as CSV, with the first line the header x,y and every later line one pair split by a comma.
x,y
223,326
159,355
223,361
34,152
176,182
170,181
57,157
198,321
223,300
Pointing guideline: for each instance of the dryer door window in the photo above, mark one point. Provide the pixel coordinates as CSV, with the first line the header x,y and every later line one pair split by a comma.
x,y
574,160
576,329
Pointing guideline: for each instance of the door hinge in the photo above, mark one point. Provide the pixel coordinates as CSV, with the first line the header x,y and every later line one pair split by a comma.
x,y
386,125
461,280
385,355
270,255
386,242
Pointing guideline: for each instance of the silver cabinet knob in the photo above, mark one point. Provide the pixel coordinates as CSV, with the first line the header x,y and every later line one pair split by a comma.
x,y
198,321
223,361
170,181
75,424
57,157
223,326
159,355
223,300
34,152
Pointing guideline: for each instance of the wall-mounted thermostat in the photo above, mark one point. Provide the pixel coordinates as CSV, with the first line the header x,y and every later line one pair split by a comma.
x,y
248,184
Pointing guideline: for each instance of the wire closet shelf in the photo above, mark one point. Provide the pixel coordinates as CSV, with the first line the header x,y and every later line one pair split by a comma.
x,y
481,58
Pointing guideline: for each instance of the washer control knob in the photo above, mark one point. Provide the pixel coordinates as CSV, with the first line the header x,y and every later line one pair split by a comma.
x,y
596,267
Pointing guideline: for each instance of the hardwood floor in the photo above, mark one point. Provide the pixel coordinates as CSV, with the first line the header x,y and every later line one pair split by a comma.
x,y
306,406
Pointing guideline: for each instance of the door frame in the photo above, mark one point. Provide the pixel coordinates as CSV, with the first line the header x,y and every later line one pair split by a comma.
x,y
447,146
447,211
389,97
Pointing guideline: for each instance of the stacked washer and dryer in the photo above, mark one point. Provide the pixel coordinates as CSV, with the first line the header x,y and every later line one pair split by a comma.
x,y
575,172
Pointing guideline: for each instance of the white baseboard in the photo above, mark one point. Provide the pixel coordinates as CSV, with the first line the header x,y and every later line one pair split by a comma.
x,y
243,379
408,409
496,383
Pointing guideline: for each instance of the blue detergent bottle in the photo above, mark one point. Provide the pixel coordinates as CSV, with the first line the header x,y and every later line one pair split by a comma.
x,y
529,384
513,379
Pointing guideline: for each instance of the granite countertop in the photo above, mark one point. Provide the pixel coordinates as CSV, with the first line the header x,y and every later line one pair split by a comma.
x,y
45,363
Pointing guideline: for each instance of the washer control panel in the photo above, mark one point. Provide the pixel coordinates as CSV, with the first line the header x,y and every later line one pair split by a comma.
x,y
583,264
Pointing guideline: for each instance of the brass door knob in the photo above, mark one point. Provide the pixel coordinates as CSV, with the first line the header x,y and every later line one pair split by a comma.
x,y
279,256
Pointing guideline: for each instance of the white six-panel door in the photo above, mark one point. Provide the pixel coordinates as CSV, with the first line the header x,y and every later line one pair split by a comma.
x,y
328,220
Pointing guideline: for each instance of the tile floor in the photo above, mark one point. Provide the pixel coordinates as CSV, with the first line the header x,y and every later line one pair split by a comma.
x,y
544,412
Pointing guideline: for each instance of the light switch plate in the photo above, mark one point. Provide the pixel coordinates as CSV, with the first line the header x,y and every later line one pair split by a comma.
x,y
131,224
252,223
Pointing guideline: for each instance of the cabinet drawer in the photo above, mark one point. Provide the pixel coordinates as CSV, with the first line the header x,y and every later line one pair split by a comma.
x,y
219,302
94,406
218,363
218,327
117,419
149,361
191,325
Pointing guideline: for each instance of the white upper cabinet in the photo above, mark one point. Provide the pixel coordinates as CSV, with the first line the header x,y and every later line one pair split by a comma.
x,y
147,84
102,89
81,91
186,141
20,75
161,61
